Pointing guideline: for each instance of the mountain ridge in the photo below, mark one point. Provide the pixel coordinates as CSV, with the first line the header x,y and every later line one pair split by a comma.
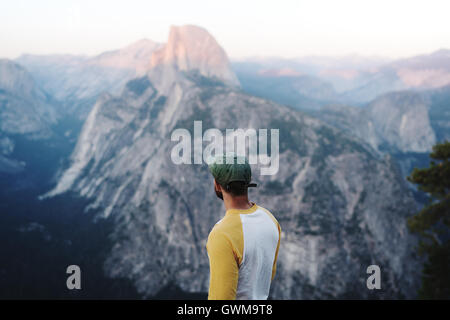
x,y
193,48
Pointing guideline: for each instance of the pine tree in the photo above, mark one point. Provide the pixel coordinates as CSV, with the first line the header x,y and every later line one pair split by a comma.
x,y
432,223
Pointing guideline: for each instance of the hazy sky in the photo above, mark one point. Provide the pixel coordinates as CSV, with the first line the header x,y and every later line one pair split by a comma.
x,y
285,28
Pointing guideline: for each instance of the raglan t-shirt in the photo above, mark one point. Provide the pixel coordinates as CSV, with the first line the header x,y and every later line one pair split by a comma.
x,y
243,249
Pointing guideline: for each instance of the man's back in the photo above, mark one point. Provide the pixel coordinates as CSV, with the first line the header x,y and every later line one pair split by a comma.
x,y
243,249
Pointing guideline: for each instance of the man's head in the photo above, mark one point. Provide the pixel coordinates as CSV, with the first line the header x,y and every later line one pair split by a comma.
x,y
234,189
232,175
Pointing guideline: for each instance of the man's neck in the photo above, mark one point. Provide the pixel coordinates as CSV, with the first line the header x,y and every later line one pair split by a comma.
x,y
240,202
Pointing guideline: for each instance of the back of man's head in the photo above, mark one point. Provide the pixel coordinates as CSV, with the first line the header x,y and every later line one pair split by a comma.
x,y
236,188
232,173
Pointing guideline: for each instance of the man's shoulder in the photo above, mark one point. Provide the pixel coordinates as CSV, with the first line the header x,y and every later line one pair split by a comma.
x,y
227,223
264,209
270,215
228,229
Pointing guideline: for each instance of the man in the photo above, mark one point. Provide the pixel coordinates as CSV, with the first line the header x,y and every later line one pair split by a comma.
x,y
243,246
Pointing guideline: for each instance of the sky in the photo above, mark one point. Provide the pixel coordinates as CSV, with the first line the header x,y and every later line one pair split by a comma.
x,y
244,28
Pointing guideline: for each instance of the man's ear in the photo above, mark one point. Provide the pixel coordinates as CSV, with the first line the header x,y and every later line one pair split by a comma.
x,y
217,186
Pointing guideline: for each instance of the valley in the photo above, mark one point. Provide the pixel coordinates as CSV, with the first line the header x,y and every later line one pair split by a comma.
x,y
86,176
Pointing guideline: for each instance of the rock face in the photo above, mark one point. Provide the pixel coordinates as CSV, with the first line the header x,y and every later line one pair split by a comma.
x,y
25,110
440,112
395,122
136,56
193,48
402,120
77,81
340,206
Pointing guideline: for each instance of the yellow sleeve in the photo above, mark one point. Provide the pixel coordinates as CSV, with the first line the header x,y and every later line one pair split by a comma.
x,y
274,268
224,266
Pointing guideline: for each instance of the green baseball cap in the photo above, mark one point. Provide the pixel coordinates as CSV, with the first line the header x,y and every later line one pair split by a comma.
x,y
228,168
